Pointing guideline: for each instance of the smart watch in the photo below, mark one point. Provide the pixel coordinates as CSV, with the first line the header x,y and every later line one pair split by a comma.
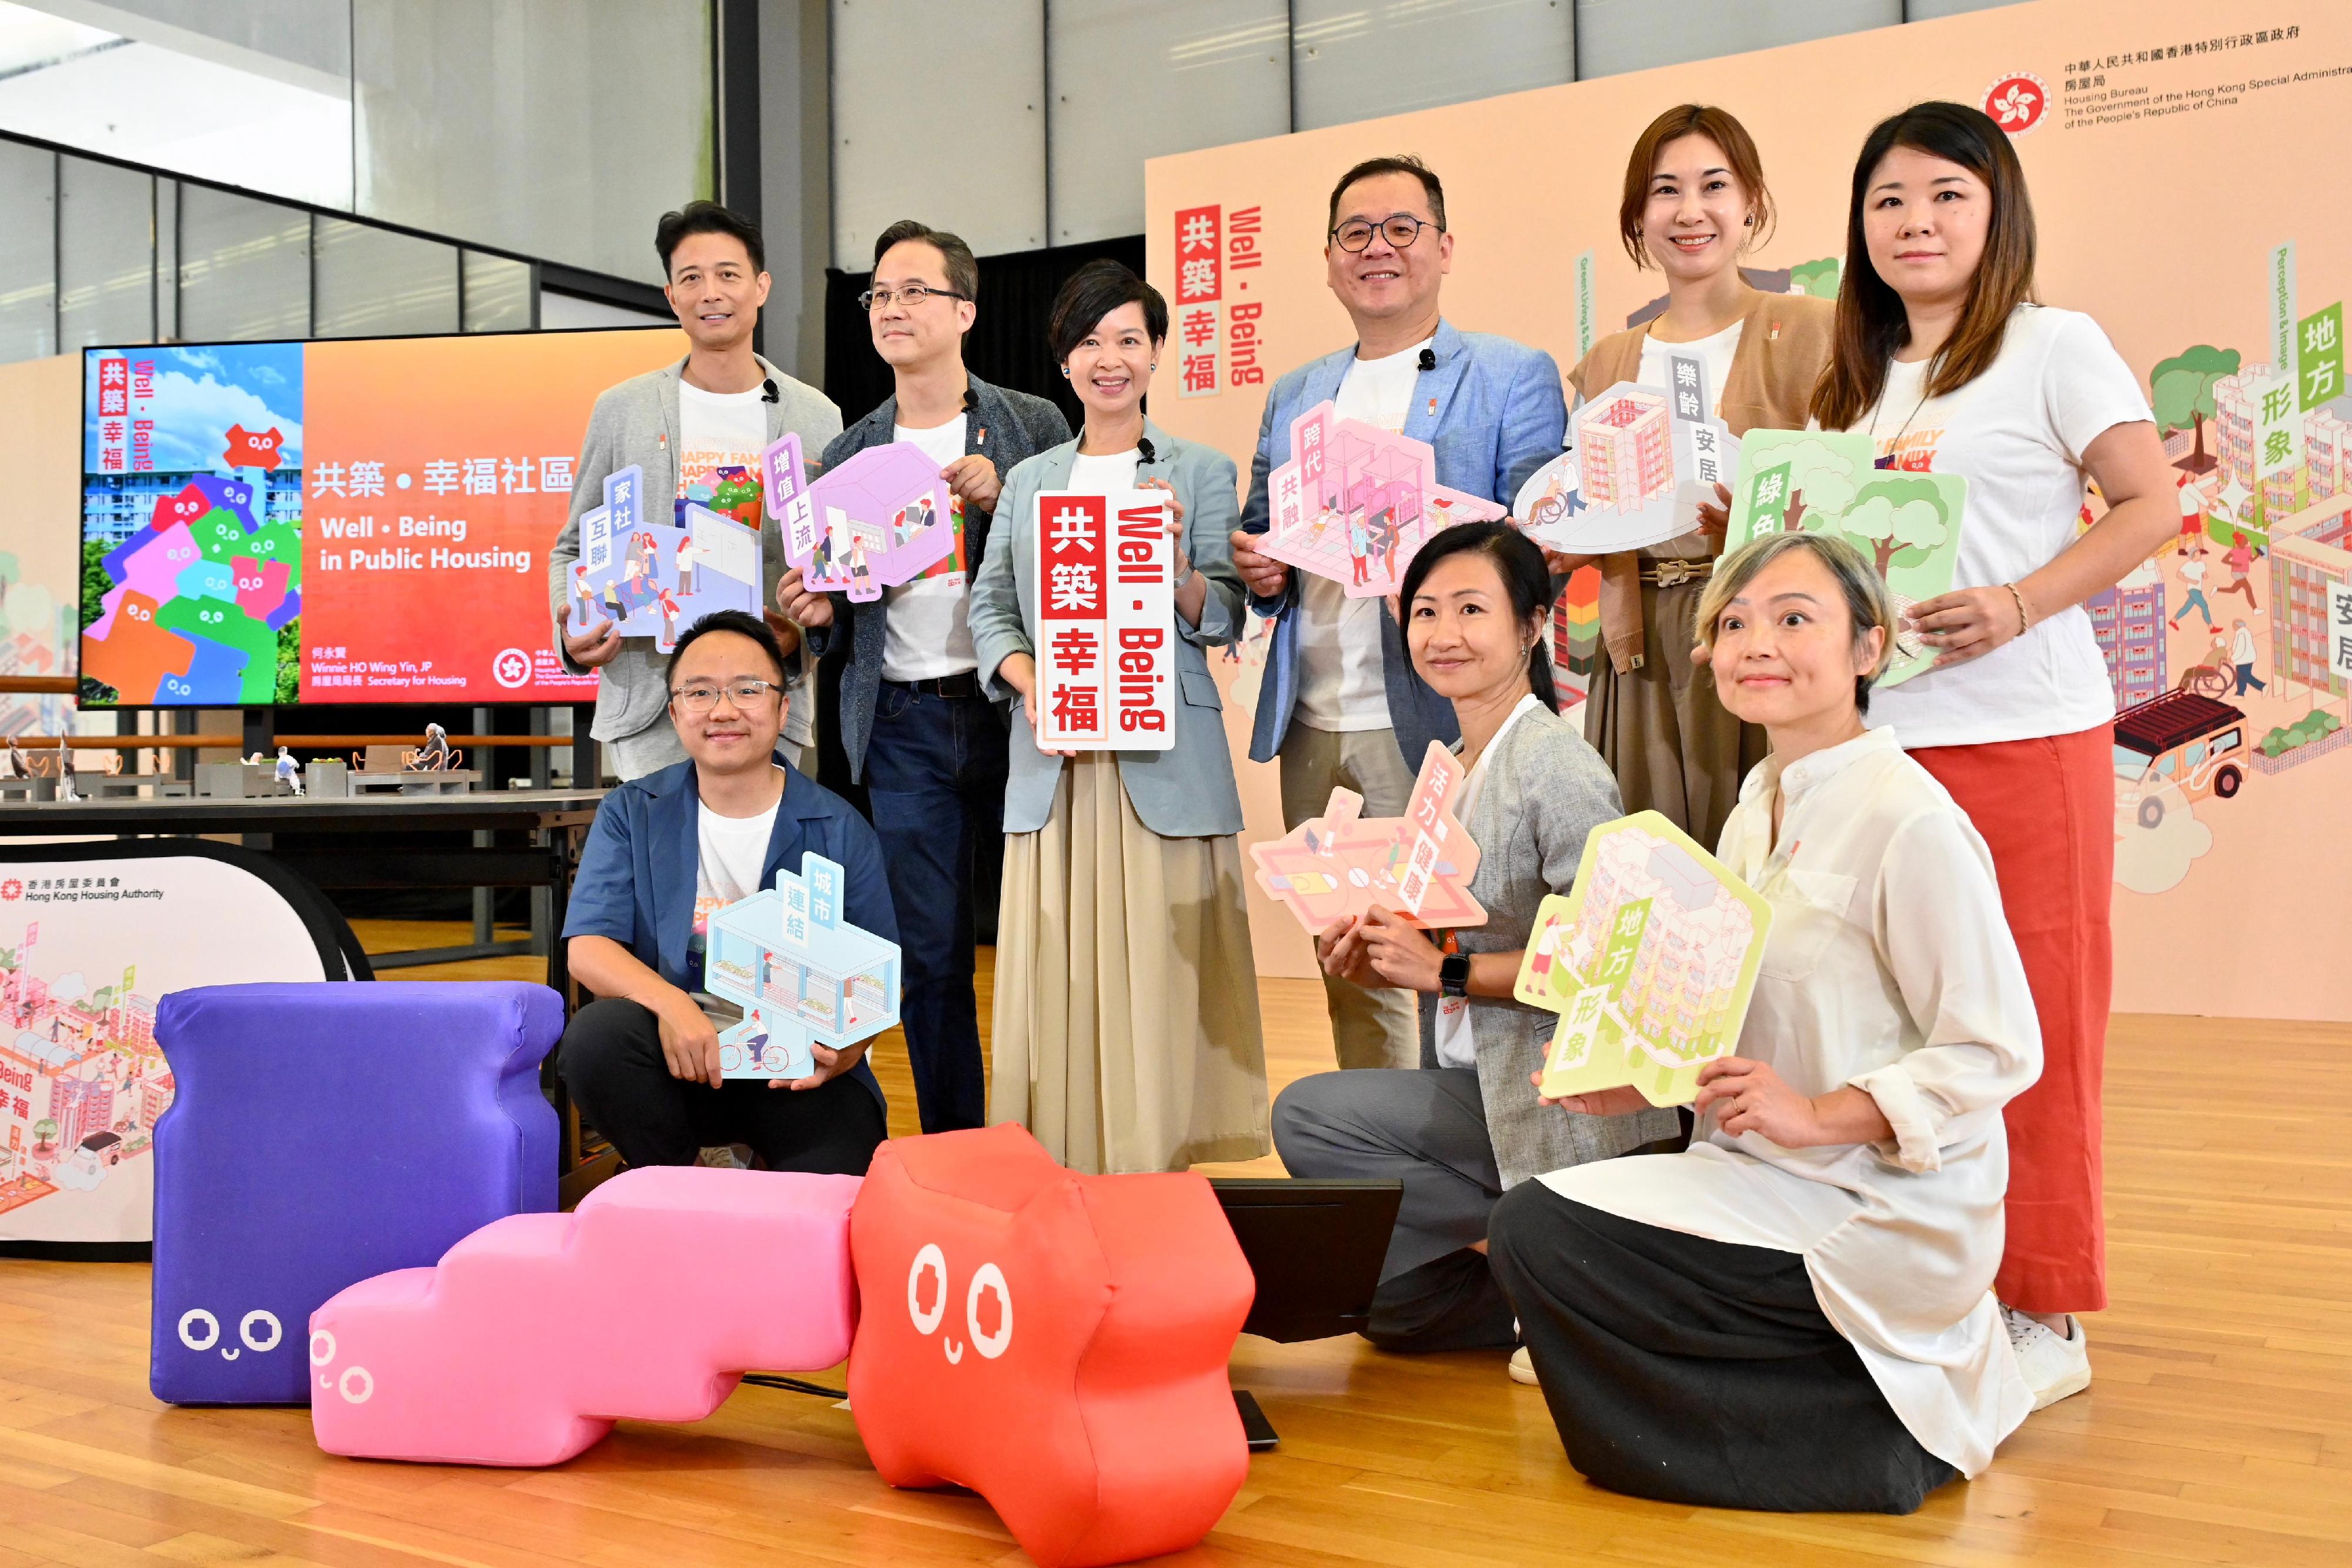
x,y
1454,975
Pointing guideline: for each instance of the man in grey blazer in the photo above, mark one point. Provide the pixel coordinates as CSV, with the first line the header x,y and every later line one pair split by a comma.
x,y
918,732
1339,703
718,403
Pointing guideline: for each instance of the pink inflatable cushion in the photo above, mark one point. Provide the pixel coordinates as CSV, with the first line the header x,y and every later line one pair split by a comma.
x,y
1056,1343
535,1333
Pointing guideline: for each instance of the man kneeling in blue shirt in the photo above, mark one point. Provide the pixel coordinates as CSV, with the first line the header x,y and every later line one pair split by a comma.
x,y
667,850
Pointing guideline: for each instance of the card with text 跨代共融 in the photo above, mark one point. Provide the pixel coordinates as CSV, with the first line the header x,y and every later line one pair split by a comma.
x,y
1340,864
1355,503
880,518
1905,523
1650,960
802,975
1105,620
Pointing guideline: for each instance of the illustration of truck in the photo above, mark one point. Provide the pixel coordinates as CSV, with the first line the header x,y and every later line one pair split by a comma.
x,y
2193,743
802,975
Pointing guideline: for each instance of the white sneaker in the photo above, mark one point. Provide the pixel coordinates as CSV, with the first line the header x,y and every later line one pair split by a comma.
x,y
2054,1366
1523,1366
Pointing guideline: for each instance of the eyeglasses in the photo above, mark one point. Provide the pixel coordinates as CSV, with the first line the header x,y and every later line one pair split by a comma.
x,y
913,294
1400,229
743,693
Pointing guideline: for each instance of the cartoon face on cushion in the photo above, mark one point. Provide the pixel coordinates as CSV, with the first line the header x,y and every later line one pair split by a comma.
x,y
985,1322
353,1384
185,507
248,450
257,1331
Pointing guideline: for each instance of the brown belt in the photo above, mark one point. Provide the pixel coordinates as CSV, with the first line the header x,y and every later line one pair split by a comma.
x,y
1671,573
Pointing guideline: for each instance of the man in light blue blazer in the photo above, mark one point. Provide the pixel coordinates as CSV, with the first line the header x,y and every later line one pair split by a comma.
x,y
1339,703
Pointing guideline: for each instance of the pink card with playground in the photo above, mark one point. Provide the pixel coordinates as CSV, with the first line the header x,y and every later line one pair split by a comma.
x,y
1342,863
1356,502
880,518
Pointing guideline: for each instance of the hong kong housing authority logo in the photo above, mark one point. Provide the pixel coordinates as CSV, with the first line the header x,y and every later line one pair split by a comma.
x,y
2018,102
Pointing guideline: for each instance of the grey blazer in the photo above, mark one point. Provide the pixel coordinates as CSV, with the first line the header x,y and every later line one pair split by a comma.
x,y
637,421
1187,791
1545,790
1006,427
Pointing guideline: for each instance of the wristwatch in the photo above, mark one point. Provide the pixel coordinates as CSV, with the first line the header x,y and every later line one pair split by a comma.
x,y
1454,975
1184,576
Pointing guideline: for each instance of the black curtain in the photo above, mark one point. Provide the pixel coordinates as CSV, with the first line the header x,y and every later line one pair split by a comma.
x,y
1007,342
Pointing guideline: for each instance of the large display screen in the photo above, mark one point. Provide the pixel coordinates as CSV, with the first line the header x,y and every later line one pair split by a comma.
x,y
355,520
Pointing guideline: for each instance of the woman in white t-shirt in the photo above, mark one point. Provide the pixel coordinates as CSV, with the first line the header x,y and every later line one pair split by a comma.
x,y
1942,358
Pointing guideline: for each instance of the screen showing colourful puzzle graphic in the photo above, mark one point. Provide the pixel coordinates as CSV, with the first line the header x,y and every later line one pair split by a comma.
x,y
1907,522
360,520
1356,502
649,579
1338,865
1649,960
803,976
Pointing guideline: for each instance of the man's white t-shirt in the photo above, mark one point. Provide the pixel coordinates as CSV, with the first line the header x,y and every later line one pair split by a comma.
x,y
1342,683
729,853
2017,433
927,632
730,430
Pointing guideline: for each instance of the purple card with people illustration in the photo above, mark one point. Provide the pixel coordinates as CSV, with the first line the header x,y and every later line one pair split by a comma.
x,y
878,519
652,580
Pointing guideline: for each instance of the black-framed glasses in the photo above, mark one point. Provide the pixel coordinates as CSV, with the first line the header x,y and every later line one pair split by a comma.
x,y
912,294
745,693
1400,229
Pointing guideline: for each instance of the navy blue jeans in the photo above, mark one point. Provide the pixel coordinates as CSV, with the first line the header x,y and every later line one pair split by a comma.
x,y
935,780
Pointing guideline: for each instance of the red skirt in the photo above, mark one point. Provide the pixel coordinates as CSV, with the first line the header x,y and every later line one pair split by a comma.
x,y
2047,810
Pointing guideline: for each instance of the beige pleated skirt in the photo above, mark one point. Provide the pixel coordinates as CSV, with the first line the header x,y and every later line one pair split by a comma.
x,y
1125,1033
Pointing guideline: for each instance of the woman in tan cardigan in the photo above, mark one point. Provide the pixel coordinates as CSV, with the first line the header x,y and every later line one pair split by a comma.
x,y
1694,202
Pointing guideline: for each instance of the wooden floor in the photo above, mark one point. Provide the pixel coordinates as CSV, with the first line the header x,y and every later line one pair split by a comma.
x,y
2220,1429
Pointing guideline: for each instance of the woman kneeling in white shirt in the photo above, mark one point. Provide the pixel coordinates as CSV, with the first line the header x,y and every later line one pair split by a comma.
x,y
1797,1312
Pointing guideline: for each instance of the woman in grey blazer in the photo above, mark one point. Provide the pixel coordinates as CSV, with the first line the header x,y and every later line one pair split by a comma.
x,y
1125,1033
1465,1125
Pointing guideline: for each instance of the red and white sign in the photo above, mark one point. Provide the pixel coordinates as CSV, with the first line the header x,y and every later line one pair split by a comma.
x,y
1106,622
2017,103
1199,290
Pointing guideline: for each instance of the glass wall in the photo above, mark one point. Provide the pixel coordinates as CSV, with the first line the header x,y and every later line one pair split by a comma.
x,y
550,127
1082,91
560,129
94,253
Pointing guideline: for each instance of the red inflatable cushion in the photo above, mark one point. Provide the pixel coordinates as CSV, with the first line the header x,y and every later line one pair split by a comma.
x,y
1056,1343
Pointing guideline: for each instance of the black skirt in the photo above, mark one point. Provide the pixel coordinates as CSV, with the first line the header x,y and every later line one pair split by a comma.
x,y
1699,1371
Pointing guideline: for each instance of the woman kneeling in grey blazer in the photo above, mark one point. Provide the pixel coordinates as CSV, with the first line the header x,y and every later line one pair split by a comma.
x,y
1465,1125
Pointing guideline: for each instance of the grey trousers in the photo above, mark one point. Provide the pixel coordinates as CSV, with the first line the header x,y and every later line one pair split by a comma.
x,y
1369,1029
1427,1128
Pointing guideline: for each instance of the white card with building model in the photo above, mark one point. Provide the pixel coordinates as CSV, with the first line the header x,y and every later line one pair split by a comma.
x,y
1642,459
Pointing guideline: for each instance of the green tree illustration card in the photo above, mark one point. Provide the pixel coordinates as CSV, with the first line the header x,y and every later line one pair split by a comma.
x,y
1906,524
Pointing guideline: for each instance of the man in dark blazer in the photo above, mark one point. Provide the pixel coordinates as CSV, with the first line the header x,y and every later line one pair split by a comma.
x,y
919,734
